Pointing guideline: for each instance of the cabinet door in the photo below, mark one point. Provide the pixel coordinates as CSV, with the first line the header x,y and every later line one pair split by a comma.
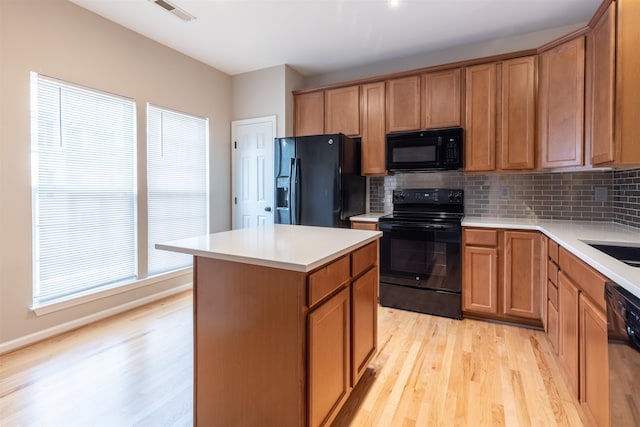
x,y
329,358
364,320
342,110
601,51
518,116
480,280
561,108
309,113
568,337
480,118
403,104
373,129
552,325
441,99
521,274
594,377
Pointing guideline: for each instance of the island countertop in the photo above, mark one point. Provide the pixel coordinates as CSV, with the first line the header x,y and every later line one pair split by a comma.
x,y
289,247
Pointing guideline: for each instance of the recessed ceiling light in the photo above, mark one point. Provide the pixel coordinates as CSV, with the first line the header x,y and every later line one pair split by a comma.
x,y
394,3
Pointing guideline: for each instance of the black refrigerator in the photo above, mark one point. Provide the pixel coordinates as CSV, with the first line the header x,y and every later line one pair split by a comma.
x,y
317,180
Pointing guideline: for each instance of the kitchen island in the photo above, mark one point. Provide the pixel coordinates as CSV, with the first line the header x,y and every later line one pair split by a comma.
x,y
285,322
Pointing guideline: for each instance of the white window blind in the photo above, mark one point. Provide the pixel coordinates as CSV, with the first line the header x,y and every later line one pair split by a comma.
x,y
178,202
83,188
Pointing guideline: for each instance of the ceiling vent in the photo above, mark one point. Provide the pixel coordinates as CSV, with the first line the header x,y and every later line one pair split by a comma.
x,y
172,8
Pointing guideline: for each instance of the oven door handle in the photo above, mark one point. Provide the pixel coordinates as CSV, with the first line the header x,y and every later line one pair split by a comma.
x,y
387,226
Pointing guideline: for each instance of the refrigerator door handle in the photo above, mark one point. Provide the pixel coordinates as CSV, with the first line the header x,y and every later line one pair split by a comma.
x,y
293,193
295,189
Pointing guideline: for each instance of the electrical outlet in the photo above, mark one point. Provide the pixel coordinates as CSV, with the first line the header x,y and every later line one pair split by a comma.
x,y
600,194
505,193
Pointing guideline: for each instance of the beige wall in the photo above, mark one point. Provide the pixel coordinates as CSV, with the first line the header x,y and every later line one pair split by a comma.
x,y
266,92
62,40
445,56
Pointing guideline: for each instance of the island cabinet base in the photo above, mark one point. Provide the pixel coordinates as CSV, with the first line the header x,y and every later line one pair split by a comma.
x,y
260,339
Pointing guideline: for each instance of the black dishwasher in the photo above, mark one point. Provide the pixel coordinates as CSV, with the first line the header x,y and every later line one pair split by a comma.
x,y
623,328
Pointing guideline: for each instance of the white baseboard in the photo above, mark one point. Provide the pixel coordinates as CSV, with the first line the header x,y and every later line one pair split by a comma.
x,y
74,324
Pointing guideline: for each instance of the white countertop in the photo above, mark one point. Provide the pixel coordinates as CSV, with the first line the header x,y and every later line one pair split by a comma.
x,y
572,235
368,217
288,247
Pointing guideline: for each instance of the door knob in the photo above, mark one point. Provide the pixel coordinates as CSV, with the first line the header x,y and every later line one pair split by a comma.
x,y
267,209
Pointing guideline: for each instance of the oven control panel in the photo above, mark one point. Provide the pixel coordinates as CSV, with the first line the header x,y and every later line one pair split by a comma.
x,y
428,196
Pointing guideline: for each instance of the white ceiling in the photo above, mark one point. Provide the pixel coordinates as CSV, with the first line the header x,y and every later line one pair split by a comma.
x,y
321,36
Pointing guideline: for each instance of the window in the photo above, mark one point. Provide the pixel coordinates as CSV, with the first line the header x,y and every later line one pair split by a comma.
x,y
177,178
83,188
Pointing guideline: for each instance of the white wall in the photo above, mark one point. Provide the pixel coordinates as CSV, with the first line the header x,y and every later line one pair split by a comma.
x,y
454,54
62,40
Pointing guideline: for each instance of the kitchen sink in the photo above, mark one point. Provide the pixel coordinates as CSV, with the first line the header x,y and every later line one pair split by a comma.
x,y
630,255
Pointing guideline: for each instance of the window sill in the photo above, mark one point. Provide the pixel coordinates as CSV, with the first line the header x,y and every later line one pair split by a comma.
x,y
62,304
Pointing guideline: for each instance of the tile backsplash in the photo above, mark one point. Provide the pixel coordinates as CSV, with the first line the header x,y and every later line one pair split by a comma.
x,y
589,195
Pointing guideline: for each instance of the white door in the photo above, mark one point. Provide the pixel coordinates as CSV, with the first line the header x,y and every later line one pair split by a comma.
x,y
252,171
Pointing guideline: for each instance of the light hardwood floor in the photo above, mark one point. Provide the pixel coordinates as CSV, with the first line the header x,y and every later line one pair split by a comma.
x,y
136,369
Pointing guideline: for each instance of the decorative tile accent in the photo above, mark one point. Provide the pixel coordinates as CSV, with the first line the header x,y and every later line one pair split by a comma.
x,y
568,196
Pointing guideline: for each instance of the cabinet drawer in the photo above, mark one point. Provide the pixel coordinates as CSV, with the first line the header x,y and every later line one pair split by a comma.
x,y
552,272
363,258
362,225
329,278
552,294
587,279
552,249
480,237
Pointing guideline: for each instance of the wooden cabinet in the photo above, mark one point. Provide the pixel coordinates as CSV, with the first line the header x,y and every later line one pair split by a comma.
x,y
373,129
577,329
568,297
441,99
594,378
516,129
480,271
403,104
561,105
342,110
364,225
304,339
364,320
309,114
515,295
613,105
329,358
601,51
480,113
500,115
521,274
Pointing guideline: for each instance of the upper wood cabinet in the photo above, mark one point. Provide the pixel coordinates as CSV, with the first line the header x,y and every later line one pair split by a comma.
x,y
403,104
309,114
480,121
373,114
614,106
342,110
517,111
500,115
441,98
601,50
561,105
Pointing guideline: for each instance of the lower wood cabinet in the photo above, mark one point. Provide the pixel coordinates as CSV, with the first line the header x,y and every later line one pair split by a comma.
x,y
364,225
364,322
329,357
582,335
501,275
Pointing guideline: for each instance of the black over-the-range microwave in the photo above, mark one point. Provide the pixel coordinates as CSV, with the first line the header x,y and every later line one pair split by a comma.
x,y
433,149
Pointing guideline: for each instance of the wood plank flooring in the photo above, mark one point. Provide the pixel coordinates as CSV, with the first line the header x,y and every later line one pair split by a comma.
x,y
135,369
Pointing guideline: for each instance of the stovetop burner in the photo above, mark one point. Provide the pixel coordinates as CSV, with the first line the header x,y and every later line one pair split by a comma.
x,y
427,205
